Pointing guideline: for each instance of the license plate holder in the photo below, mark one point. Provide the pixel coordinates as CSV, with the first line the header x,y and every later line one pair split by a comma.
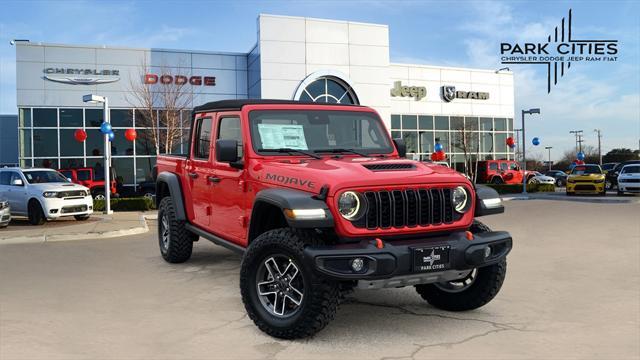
x,y
432,258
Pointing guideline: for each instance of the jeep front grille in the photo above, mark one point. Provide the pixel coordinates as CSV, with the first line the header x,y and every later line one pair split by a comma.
x,y
409,207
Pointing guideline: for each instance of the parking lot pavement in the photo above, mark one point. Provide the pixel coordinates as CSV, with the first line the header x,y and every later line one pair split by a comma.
x,y
572,291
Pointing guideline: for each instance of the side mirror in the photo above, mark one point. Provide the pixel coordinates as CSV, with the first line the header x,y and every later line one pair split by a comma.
x,y
227,151
401,147
17,182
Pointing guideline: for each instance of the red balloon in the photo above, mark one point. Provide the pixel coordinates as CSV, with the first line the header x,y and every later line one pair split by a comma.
x,y
510,141
579,162
130,134
80,135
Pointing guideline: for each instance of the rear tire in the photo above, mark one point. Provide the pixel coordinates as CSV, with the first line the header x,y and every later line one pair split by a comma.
x,y
301,313
81,217
477,289
175,241
36,215
497,180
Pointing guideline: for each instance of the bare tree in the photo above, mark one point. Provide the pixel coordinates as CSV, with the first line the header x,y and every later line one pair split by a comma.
x,y
170,93
466,138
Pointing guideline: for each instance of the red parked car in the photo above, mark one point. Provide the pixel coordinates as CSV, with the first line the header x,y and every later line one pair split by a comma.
x,y
501,172
320,200
90,178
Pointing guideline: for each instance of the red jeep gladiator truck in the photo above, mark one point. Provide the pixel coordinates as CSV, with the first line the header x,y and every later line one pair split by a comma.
x,y
501,172
320,200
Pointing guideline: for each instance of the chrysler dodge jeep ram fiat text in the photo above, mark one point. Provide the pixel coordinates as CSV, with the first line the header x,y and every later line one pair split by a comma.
x,y
319,200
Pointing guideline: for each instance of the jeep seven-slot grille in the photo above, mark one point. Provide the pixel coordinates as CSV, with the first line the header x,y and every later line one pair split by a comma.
x,y
409,207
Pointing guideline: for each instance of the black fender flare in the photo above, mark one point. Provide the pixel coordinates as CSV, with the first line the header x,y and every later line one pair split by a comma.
x,y
494,206
175,191
293,199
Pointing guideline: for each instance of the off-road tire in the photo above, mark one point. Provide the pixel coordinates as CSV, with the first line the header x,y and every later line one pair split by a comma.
x,y
180,241
36,215
321,295
485,287
497,180
81,217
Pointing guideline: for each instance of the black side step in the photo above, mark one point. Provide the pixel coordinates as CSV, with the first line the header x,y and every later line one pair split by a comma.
x,y
214,239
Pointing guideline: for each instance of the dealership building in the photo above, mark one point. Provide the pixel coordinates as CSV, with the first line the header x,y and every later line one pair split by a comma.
x,y
293,58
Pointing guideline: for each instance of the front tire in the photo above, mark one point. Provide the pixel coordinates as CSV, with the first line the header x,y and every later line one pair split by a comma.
x,y
36,215
176,242
479,287
282,294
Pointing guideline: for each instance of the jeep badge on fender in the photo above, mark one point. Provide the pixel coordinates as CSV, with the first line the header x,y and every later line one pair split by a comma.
x,y
306,197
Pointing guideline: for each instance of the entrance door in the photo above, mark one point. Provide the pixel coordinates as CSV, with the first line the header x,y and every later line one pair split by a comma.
x,y
198,169
228,195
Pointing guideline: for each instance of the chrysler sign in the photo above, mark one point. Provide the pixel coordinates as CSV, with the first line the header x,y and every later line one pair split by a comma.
x,y
81,76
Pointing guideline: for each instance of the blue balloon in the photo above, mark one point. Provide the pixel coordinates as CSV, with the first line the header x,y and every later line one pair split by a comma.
x,y
105,128
535,141
580,155
111,135
438,147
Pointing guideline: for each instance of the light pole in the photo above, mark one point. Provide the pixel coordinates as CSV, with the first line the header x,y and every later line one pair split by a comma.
x,y
578,134
517,131
524,147
599,145
94,99
549,149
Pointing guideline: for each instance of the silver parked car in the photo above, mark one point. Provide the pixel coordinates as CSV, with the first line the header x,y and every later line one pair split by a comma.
x,y
539,178
5,213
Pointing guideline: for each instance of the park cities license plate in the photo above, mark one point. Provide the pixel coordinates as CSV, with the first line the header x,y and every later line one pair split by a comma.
x,y
431,258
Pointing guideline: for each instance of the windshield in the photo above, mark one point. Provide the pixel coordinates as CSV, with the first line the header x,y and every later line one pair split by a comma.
x,y
44,176
317,131
631,169
586,170
608,166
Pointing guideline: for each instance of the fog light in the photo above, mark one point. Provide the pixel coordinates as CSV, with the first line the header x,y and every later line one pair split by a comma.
x,y
487,252
357,264
53,211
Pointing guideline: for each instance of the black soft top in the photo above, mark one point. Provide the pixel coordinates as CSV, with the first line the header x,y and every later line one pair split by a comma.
x,y
238,104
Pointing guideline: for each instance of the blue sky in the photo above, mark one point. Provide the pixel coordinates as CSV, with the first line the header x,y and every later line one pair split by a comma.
x,y
464,33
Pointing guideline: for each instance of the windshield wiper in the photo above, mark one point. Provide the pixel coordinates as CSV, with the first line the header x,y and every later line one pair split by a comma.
x,y
341,150
290,150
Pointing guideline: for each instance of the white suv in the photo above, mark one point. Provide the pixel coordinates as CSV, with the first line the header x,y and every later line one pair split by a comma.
x,y
43,194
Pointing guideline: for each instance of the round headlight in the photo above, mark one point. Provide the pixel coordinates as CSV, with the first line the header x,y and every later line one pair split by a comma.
x,y
460,199
351,205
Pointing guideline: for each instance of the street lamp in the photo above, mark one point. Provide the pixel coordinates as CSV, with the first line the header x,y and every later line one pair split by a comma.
x,y
524,146
96,99
549,148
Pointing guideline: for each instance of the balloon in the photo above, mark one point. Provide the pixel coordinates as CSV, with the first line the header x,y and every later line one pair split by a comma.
x,y
80,135
535,141
105,128
580,155
512,146
438,147
434,157
511,142
111,135
579,162
130,134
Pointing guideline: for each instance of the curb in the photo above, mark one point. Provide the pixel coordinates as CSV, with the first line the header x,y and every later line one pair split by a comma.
x,y
143,228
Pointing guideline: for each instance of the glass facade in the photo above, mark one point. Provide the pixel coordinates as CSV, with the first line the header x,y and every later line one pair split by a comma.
x,y
483,137
46,139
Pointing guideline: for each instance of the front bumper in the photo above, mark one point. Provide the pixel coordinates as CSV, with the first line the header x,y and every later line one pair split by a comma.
x,y
55,207
5,216
395,261
629,186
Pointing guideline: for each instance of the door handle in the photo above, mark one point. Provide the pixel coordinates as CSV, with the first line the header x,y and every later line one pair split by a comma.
x,y
213,179
193,175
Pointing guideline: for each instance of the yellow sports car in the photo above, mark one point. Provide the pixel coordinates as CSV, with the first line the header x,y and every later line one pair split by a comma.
x,y
586,179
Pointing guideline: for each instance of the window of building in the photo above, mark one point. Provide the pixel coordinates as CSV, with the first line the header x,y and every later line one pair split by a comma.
x,y
71,118
46,163
93,117
230,129
120,145
121,117
94,142
202,145
123,168
145,142
442,123
329,89
409,122
486,124
25,117
68,144
71,163
45,117
25,142
395,121
500,124
45,142
425,122
144,168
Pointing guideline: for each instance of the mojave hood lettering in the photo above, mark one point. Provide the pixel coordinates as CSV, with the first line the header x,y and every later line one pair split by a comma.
x,y
288,180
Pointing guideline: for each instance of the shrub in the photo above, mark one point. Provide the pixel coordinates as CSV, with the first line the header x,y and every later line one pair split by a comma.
x,y
126,204
517,188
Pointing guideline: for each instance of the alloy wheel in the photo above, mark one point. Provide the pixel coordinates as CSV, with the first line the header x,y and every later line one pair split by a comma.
x,y
164,231
280,286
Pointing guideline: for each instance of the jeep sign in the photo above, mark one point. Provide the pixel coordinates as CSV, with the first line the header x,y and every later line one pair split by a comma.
x,y
417,92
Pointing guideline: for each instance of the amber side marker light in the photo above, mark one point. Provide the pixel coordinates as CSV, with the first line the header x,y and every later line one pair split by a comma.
x,y
469,235
379,243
